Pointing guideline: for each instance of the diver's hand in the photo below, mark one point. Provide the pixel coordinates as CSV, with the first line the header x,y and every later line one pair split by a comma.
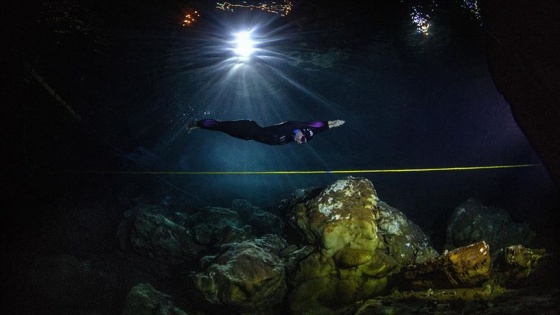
x,y
191,125
336,123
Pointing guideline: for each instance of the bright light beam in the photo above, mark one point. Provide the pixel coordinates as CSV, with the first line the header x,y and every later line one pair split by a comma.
x,y
245,45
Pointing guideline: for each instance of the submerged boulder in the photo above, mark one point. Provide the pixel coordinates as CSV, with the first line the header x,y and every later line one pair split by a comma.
x,y
215,226
465,266
514,264
402,239
473,222
345,246
154,235
247,277
340,218
262,222
358,243
176,238
143,299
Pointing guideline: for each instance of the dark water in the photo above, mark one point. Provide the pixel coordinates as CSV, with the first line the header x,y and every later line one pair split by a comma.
x,y
135,77
410,100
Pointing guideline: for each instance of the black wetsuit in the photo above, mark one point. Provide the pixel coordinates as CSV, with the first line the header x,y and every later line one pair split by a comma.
x,y
273,135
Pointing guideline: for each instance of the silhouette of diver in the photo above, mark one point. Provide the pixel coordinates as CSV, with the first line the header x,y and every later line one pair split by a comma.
x,y
283,133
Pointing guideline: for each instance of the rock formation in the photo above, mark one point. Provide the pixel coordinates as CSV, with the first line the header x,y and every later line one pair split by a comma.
x,y
358,245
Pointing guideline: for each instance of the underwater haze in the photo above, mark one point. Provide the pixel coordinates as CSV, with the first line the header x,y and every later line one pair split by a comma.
x,y
412,98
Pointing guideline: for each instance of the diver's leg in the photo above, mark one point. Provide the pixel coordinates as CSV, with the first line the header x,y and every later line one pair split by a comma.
x,y
242,129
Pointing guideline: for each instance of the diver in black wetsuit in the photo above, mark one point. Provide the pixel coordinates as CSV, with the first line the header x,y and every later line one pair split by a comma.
x,y
283,133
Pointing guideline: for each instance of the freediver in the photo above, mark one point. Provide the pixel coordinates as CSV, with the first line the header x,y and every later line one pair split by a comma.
x,y
282,133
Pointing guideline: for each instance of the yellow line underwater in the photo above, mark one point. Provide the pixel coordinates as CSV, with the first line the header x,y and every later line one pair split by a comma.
x,y
366,171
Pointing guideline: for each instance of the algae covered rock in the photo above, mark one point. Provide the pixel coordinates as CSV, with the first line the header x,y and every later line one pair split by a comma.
x,y
514,264
346,265
246,277
359,244
340,218
465,266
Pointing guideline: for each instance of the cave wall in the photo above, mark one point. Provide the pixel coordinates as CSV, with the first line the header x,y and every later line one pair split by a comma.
x,y
524,60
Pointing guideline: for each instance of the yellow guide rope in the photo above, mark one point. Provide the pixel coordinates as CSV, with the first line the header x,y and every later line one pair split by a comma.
x,y
312,172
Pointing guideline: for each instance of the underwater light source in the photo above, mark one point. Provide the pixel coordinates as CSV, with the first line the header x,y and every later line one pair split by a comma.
x,y
244,44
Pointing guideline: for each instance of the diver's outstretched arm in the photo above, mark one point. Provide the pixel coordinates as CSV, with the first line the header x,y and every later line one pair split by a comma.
x,y
336,123
192,125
